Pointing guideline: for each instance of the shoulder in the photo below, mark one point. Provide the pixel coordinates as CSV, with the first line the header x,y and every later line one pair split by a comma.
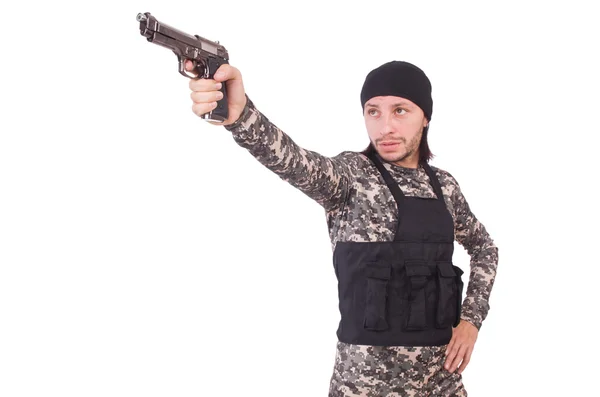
x,y
444,175
356,161
448,182
349,155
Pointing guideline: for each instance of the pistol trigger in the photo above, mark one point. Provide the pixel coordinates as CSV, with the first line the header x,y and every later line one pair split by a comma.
x,y
182,69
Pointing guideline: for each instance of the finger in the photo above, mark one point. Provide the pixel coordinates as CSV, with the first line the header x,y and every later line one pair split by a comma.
x,y
206,97
458,359
204,85
451,351
465,361
189,65
226,72
202,108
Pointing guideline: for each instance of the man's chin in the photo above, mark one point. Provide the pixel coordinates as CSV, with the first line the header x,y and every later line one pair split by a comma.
x,y
393,156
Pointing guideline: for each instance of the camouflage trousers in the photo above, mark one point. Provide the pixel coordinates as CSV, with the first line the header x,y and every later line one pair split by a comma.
x,y
393,371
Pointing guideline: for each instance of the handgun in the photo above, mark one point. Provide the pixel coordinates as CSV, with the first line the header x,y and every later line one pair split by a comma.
x,y
207,56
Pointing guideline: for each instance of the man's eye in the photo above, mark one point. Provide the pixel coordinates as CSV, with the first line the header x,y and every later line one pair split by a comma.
x,y
400,111
372,112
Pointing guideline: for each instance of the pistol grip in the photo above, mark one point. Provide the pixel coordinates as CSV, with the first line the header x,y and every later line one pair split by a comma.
x,y
221,112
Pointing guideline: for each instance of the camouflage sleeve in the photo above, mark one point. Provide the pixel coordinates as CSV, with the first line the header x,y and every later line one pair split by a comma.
x,y
472,235
324,179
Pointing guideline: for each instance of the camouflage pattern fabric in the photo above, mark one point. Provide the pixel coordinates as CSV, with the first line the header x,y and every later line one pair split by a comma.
x,y
374,371
359,207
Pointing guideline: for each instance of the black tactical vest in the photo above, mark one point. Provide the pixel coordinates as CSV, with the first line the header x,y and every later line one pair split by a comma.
x,y
404,292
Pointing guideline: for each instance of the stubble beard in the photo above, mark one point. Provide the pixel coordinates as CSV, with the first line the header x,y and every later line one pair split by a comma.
x,y
411,148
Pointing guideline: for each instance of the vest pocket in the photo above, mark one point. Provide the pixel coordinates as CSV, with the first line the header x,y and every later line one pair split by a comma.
x,y
418,275
450,288
378,276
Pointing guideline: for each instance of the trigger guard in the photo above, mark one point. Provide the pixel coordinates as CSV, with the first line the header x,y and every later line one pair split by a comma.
x,y
199,68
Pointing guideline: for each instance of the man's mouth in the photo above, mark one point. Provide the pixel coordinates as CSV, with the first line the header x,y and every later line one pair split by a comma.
x,y
389,144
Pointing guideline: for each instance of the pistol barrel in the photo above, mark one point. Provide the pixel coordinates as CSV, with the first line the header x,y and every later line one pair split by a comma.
x,y
168,36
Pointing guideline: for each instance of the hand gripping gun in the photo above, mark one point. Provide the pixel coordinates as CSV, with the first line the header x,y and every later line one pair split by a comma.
x,y
207,56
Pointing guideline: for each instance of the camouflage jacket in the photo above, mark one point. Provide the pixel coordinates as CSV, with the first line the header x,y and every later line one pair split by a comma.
x,y
359,206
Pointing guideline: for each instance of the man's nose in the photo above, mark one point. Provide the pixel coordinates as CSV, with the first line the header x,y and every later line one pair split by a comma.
x,y
387,125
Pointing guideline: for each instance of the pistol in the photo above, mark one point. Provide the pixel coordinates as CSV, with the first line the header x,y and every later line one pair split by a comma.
x,y
205,55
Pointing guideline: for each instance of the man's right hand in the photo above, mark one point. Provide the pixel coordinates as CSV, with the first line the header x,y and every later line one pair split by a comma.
x,y
205,92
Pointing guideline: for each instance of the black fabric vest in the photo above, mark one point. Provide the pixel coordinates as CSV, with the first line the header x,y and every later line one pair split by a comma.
x,y
405,292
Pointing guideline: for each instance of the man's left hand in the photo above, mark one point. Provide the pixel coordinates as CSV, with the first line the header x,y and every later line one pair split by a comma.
x,y
458,351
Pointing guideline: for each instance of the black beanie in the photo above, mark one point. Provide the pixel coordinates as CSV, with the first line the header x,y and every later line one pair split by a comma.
x,y
399,78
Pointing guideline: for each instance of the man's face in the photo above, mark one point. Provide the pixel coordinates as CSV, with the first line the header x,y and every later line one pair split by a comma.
x,y
395,126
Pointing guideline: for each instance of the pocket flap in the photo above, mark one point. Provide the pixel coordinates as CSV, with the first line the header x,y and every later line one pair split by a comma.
x,y
446,269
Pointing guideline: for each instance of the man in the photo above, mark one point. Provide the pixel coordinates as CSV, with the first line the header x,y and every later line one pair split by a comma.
x,y
392,219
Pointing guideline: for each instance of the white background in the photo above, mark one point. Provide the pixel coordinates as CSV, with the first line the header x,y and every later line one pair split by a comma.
x,y
144,253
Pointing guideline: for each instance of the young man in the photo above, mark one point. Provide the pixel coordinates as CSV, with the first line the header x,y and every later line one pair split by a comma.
x,y
393,220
